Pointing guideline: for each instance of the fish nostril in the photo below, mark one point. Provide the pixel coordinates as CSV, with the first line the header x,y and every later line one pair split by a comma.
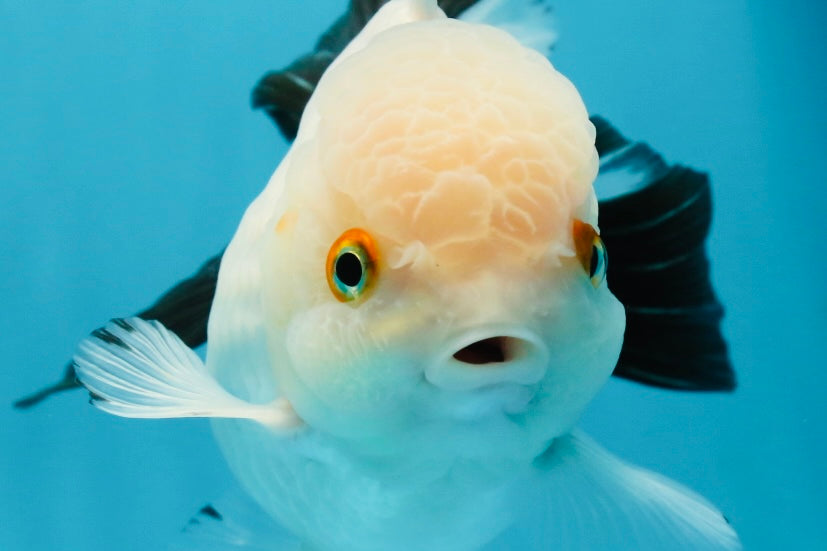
x,y
492,350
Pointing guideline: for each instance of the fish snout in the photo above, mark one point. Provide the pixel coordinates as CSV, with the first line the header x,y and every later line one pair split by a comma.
x,y
483,358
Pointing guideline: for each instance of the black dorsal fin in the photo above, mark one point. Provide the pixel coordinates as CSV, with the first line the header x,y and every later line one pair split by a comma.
x,y
283,94
655,223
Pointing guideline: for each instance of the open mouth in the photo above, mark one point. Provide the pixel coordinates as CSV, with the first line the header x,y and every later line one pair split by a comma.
x,y
490,357
492,350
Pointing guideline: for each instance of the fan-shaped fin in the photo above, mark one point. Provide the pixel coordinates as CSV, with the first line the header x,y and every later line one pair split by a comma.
x,y
137,368
654,223
590,500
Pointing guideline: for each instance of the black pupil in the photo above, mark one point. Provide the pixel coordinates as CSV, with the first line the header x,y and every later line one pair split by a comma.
x,y
349,269
595,260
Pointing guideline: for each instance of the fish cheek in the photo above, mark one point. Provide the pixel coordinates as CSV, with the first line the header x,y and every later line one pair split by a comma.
x,y
343,380
584,346
293,262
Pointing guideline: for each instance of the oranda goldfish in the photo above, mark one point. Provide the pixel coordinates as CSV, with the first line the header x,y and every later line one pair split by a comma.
x,y
413,314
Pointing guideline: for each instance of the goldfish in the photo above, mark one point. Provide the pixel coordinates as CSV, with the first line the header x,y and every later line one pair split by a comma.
x,y
660,311
414,313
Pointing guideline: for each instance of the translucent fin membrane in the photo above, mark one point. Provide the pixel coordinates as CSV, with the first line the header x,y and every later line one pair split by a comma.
x,y
592,500
137,368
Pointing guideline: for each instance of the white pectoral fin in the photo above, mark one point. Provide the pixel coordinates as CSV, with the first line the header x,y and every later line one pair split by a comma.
x,y
596,501
138,368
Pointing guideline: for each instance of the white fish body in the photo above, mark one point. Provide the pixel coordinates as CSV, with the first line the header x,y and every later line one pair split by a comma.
x,y
411,317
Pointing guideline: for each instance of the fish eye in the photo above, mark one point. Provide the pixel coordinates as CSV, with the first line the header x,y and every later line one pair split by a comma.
x,y
591,252
351,265
599,262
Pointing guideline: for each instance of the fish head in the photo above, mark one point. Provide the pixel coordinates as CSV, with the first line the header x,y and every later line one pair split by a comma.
x,y
434,267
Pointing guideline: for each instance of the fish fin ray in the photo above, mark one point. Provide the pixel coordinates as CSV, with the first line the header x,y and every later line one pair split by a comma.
x,y
138,368
601,502
654,220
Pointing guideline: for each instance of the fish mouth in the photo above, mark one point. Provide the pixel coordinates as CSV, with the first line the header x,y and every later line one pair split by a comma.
x,y
490,356
491,350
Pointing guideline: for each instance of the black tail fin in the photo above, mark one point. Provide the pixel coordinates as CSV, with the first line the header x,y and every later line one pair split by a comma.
x,y
655,226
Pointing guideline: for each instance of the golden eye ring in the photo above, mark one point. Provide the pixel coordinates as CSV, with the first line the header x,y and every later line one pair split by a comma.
x,y
591,252
351,265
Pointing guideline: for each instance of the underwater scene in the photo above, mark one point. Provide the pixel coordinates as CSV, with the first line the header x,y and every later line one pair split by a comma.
x,y
459,298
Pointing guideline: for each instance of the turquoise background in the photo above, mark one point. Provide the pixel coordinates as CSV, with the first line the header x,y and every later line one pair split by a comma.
x,y
128,153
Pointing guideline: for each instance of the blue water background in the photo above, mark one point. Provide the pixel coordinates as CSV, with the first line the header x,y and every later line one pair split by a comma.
x,y
128,153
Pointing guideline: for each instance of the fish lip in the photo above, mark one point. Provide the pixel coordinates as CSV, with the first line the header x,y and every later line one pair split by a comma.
x,y
526,367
